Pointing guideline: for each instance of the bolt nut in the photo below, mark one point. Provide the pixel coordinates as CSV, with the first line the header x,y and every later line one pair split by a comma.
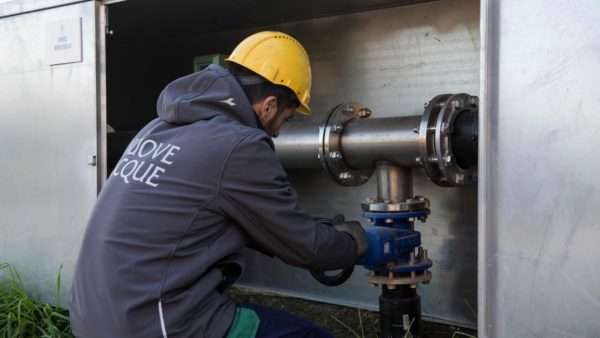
x,y
474,100
365,112
419,160
335,155
456,104
336,128
448,159
345,175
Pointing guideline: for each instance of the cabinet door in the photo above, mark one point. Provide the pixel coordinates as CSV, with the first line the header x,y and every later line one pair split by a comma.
x,y
539,163
51,80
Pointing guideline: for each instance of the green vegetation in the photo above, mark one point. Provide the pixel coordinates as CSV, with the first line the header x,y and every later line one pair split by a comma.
x,y
22,316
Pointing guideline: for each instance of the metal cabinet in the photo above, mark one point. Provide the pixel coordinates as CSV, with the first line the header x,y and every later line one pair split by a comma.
x,y
537,223
50,94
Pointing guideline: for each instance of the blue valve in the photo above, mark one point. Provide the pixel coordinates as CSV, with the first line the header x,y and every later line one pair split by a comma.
x,y
387,245
391,241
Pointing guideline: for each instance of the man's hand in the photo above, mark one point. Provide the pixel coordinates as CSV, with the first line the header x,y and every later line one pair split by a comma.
x,y
354,229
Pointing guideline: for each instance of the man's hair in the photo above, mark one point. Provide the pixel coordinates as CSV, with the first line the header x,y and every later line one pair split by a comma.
x,y
257,88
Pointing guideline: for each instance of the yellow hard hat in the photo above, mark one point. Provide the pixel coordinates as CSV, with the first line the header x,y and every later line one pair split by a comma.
x,y
279,58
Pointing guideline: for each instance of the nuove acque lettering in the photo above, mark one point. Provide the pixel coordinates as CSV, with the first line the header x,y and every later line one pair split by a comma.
x,y
145,160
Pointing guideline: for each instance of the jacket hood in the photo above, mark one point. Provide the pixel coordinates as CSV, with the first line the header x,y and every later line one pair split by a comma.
x,y
204,95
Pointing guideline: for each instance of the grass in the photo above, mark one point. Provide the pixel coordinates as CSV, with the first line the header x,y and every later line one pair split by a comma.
x,y
22,316
462,334
341,321
408,334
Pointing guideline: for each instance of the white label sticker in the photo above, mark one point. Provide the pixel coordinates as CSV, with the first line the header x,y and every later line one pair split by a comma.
x,y
63,42
406,322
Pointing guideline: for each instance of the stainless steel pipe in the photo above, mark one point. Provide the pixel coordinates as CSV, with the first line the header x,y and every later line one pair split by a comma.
x,y
298,145
363,143
348,144
394,184
394,139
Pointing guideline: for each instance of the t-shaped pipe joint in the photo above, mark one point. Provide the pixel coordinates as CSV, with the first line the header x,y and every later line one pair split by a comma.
x,y
349,144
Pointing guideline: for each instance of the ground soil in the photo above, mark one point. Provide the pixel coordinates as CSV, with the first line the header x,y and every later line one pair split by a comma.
x,y
340,320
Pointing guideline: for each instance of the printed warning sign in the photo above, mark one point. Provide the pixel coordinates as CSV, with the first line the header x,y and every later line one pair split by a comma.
x,y
63,42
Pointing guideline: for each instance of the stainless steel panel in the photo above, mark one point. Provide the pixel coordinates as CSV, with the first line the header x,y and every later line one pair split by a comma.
x,y
540,226
10,7
392,61
48,139
174,18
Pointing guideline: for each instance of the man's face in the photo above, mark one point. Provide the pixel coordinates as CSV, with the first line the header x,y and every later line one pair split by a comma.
x,y
272,119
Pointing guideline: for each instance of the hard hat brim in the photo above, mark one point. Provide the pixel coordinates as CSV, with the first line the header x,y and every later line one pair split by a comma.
x,y
304,110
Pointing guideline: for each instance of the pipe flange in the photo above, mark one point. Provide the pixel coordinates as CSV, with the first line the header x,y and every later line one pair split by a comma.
x,y
330,150
435,133
412,204
415,271
392,280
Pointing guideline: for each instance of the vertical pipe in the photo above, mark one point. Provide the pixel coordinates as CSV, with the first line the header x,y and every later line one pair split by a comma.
x,y
394,184
400,312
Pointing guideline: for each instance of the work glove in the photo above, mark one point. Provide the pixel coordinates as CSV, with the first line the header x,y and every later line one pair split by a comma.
x,y
354,229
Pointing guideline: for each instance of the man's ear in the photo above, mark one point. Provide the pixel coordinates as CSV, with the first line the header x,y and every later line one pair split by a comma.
x,y
270,106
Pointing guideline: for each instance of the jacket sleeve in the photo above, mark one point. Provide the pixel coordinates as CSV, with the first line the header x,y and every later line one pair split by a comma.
x,y
256,194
